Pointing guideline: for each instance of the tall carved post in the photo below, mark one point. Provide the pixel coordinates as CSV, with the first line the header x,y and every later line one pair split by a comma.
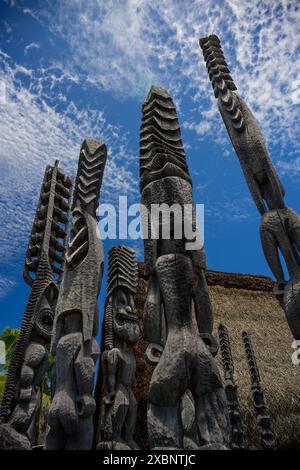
x,y
42,271
260,406
280,226
237,431
76,319
176,272
118,407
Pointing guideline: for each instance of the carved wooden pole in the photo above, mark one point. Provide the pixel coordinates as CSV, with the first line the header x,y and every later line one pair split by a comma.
x,y
118,405
176,273
237,431
260,406
42,271
76,319
244,132
280,225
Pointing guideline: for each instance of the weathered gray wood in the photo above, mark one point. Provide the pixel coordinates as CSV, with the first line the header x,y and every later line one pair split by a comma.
x,y
42,271
76,319
118,404
280,226
187,404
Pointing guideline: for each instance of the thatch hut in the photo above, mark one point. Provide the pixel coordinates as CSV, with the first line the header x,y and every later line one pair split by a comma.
x,y
243,302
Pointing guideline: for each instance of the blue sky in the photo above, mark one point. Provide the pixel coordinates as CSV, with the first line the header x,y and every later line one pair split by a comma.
x,y
71,69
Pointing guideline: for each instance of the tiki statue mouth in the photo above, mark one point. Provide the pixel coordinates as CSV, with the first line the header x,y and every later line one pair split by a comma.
x,y
123,317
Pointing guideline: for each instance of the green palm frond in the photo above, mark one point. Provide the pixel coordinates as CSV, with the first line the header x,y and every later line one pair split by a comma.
x,y
2,385
9,336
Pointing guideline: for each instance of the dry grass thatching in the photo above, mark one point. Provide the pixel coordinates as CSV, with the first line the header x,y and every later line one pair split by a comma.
x,y
244,302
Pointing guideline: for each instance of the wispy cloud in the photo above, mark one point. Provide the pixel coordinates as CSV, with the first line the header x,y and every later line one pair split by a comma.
x,y
201,128
34,134
29,47
6,285
237,209
107,41
123,46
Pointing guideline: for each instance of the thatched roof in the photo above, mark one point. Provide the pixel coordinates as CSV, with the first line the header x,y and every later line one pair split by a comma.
x,y
244,302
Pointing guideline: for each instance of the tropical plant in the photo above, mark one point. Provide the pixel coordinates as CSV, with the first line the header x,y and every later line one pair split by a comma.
x,y
9,337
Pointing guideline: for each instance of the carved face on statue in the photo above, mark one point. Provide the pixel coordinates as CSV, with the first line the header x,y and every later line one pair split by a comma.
x,y
125,319
44,312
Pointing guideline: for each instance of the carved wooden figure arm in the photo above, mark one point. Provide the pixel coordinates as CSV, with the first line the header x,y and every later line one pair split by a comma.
x,y
84,376
202,305
153,312
271,252
110,367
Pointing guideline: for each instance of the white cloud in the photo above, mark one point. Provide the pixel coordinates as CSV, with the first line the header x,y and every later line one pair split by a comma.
x,y
34,134
200,128
290,167
105,42
29,47
6,285
237,209
295,92
123,46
